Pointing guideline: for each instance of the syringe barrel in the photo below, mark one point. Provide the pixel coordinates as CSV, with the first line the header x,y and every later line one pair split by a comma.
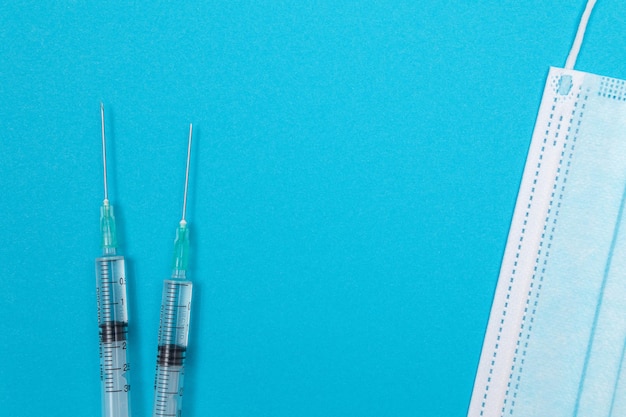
x,y
113,329
173,338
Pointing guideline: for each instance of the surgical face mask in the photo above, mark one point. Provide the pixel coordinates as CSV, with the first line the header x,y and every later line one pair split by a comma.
x,y
556,339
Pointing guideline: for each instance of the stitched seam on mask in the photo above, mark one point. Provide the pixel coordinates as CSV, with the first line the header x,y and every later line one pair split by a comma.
x,y
575,120
612,88
510,287
522,329
517,255
512,279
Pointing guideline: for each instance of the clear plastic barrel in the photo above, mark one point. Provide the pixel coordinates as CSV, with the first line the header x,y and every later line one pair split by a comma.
x,y
173,338
113,328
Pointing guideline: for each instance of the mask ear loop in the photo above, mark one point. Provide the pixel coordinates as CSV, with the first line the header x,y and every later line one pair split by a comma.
x,y
580,34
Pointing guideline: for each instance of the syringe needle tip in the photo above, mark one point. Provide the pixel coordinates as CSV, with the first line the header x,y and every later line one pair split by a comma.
x,y
104,154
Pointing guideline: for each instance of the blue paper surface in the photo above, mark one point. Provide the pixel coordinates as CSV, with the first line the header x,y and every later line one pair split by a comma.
x,y
353,177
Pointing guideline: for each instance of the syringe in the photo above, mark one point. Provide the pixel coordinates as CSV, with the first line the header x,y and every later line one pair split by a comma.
x,y
112,311
174,323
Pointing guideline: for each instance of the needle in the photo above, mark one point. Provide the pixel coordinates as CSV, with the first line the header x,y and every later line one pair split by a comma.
x,y
104,156
183,221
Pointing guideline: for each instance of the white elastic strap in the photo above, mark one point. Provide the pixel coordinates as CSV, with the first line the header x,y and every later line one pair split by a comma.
x,y
580,34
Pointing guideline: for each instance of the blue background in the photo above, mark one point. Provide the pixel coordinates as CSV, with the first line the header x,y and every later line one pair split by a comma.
x,y
354,173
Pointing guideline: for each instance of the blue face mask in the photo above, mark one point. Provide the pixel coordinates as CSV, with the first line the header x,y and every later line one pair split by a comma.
x,y
556,340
